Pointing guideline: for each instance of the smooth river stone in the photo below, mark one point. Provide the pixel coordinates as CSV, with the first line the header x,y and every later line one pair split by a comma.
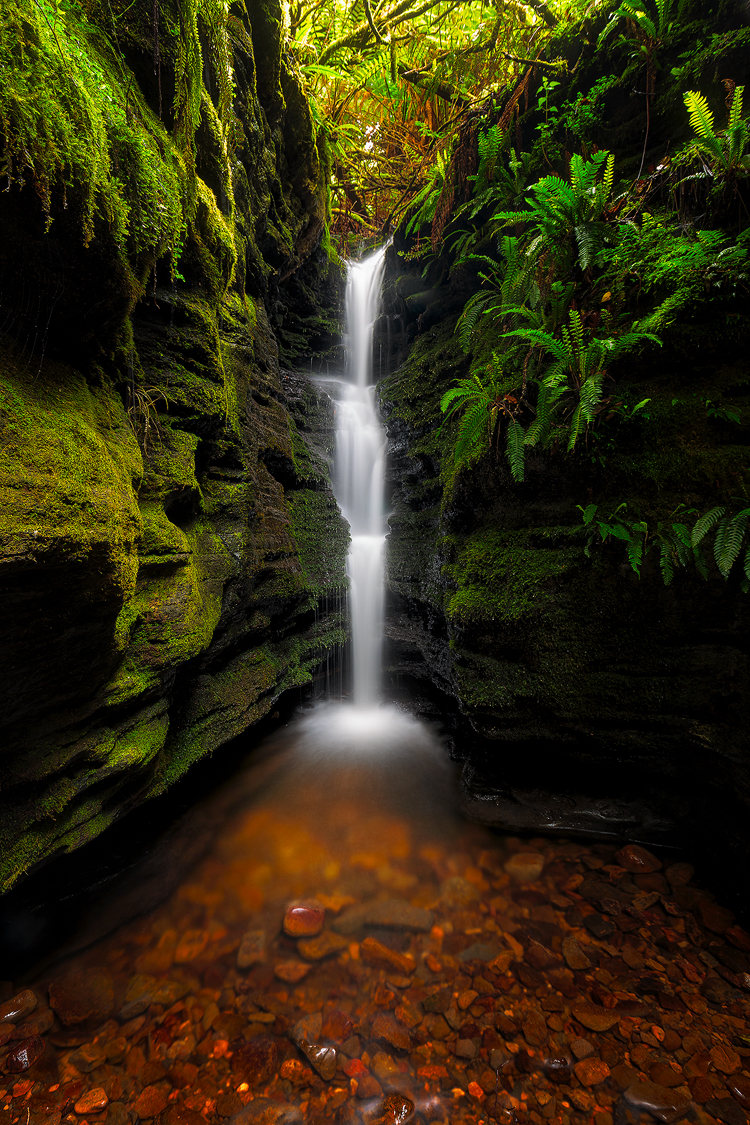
x,y
590,1072
307,1033
255,1061
82,996
395,1110
395,914
725,1059
634,858
304,918
93,1101
264,1111
291,971
252,949
739,1087
375,953
24,1055
574,956
385,1027
18,1007
524,867
678,874
726,1110
661,1102
324,945
595,1018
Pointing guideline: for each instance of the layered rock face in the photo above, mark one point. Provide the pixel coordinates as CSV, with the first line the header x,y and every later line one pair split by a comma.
x,y
579,697
172,557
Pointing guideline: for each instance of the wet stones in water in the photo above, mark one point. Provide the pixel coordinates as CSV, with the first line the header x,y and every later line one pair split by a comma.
x,y
324,945
93,1101
337,1026
525,867
291,971
307,1035
20,1006
375,953
725,1058
252,949
582,1048
595,1018
660,1101
739,1087
392,914
558,1069
255,1061
539,957
263,1111
726,1110
386,1028
574,956
24,1055
636,859
304,918
82,997
395,1110
590,1072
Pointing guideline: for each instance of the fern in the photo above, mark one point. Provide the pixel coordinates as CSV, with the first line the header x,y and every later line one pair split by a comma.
x,y
730,535
705,524
515,449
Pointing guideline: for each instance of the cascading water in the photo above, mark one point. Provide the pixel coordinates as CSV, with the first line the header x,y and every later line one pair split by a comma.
x,y
359,471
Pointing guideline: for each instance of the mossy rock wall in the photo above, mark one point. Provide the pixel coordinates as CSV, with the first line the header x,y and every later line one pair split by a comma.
x,y
171,555
578,696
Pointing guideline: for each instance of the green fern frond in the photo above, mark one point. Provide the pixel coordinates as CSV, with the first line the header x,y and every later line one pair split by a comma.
x,y
666,563
705,524
515,449
729,539
702,121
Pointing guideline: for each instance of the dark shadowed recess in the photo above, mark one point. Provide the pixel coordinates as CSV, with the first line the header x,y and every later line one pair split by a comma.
x,y
76,898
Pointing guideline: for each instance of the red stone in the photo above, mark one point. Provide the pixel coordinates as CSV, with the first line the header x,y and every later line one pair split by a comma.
x,y
353,1068
336,1026
93,1101
368,1087
590,1072
739,1087
304,918
635,858
255,1061
24,1054
151,1101
82,996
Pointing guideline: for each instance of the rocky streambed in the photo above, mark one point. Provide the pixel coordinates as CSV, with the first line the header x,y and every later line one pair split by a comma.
x,y
349,952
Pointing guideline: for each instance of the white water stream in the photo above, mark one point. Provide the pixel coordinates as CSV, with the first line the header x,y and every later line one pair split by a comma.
x,y
358,478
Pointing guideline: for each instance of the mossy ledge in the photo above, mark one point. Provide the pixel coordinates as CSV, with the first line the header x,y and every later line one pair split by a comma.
x,y
172,558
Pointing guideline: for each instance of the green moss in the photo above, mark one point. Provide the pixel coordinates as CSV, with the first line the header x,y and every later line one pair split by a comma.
x,y
68,468
503,575
322,537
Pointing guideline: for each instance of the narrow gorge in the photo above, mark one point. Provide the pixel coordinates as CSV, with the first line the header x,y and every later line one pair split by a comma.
x,y
374,562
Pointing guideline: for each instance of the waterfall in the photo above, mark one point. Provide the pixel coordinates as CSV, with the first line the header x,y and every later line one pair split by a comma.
x,y
358,478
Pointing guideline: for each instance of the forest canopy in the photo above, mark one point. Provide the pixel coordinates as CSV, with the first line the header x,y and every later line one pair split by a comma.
x,y
392,83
